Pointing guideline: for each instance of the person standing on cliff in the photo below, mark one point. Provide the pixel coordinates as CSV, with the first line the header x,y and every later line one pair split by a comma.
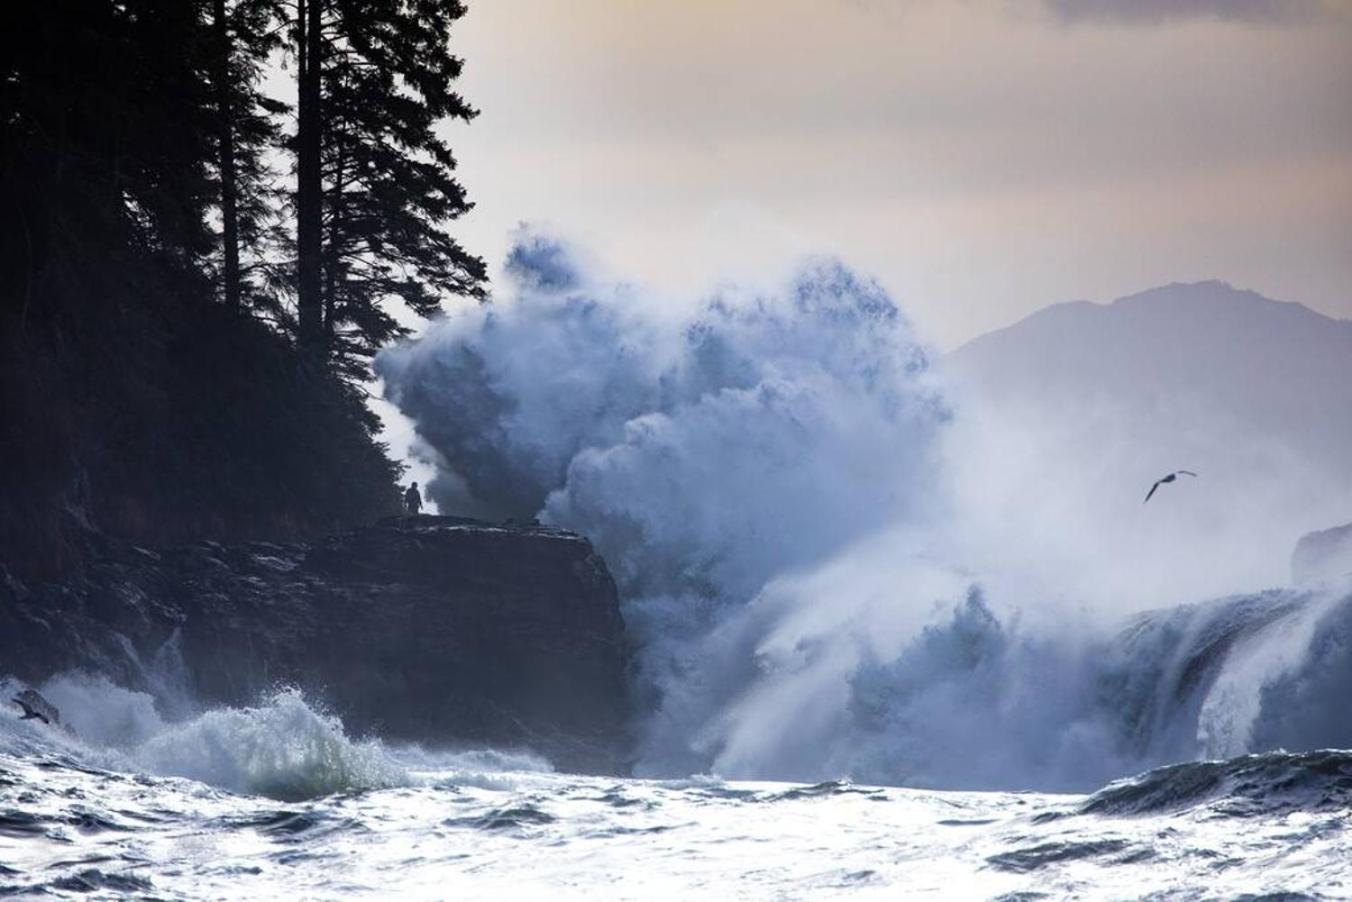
x,y
413,500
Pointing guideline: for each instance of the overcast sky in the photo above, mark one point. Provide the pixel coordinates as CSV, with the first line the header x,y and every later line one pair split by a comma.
x,y
982,158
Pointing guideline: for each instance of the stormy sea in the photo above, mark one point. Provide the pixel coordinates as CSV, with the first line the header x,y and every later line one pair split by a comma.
x,y
887,637
277,802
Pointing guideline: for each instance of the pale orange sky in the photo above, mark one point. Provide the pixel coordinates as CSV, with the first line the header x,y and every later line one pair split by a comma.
x,y
982,158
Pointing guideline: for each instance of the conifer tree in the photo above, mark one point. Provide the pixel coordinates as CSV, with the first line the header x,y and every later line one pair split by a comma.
x,y
242,35
134,404
309,197
105,134
376,187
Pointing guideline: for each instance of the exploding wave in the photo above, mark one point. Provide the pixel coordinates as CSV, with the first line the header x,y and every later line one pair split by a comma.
x,y
282,747
765,473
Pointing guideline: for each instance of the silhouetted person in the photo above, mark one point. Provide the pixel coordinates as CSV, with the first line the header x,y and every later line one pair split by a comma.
x,y
413,499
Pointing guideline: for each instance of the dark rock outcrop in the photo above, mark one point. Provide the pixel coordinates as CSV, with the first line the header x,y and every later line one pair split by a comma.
x,y
439,630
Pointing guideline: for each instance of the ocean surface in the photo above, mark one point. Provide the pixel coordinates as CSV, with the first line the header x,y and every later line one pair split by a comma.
x,y
276,802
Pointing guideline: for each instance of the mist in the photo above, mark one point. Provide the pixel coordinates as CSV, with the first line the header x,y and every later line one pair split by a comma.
x,y
835,559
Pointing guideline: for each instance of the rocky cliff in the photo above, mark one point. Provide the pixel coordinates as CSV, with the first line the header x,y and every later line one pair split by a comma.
x,y
432,629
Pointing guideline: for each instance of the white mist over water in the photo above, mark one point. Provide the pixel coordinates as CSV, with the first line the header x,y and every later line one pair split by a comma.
x,y
782,491
281,747
284,746
1067,417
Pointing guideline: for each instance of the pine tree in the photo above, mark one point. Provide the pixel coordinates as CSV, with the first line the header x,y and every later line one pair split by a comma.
x,y
243,34
105,135
309,186
376,187
135,406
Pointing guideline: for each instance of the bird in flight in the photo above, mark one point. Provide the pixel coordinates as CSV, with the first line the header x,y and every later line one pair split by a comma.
x,y
1163,479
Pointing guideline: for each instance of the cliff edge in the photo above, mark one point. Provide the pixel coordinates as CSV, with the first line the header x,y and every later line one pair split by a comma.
x,y
438,630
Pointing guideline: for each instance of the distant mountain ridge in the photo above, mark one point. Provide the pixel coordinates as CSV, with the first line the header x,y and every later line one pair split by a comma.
x,y
1227,313
1079,407
1274,365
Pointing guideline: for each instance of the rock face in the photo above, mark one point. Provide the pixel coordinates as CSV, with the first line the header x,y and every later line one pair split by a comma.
x,y
1323,555
438,630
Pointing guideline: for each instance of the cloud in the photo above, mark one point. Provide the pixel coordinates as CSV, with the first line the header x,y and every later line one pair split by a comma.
x,y
1154,12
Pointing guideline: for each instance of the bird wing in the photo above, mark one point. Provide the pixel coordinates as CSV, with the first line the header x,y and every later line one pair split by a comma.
x,y
1187,472
28,712
1152,490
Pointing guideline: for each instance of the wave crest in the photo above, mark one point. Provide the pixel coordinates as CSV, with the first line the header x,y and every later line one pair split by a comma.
x,y
282,748
1270,784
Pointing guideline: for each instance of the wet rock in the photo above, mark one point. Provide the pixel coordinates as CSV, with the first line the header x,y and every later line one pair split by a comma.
x,y
439,630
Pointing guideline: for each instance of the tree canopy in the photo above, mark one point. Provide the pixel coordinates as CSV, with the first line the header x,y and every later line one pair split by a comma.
x,y
194,274
382,73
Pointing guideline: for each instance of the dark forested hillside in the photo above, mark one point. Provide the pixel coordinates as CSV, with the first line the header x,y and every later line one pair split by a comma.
x,y
155,381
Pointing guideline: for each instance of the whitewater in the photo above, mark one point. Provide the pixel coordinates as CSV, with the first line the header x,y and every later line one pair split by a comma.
x,y
853,674
284,805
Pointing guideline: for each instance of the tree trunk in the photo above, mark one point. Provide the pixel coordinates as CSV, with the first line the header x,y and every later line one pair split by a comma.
x,y
334,259
226,161
309,185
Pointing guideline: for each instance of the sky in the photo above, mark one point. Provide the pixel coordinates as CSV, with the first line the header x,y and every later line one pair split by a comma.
x,y
980,158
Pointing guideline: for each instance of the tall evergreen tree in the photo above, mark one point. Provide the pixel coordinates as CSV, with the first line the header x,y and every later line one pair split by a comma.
x,y
243,35
105,135
309,185
225,108
135,406
376,187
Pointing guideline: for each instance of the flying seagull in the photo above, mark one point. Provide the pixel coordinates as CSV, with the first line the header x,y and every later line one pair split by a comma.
x,y
35,707
1163,479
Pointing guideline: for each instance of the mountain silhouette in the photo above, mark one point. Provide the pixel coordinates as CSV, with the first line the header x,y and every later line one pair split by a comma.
x,y
1095,400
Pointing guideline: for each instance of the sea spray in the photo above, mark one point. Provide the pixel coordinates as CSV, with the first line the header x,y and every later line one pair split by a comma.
x,y
705,455
282,748
767,473
103,714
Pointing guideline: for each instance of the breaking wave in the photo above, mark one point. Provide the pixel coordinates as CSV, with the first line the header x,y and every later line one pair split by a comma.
x,y
1275,783
281,748
766,473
